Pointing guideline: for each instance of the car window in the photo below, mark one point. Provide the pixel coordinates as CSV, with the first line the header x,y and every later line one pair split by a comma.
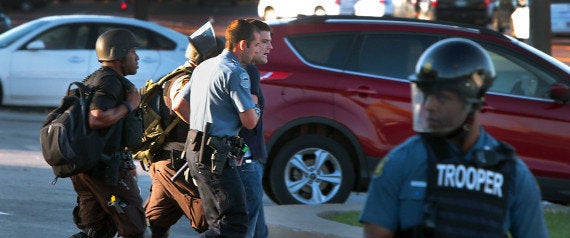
x,y
56,38
66,37
147,39
390,55
517,77
329,50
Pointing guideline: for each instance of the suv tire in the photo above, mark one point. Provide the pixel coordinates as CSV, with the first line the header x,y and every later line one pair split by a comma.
x,y
310,164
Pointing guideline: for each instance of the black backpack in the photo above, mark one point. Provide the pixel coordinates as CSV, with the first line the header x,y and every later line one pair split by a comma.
x,y
68,145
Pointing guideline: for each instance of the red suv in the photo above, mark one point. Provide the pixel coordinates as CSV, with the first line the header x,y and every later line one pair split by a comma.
x,y
338,99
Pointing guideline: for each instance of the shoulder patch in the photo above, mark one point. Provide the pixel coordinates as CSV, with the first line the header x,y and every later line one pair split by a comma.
x,y
380,167
244,80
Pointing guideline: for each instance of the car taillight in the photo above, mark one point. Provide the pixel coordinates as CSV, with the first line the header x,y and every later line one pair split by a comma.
x,y
273,75
487,2
382,1
433,3
337,2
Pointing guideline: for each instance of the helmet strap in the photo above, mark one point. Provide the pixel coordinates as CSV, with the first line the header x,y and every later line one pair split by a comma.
x,y
460,134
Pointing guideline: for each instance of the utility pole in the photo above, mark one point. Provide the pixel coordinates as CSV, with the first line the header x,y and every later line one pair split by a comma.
x,y
141,9
540,28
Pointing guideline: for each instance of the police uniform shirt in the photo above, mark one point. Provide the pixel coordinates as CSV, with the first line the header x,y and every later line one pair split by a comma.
x,y
220,91
397,191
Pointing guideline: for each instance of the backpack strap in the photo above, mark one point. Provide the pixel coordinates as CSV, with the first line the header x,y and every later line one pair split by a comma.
x,y
146,97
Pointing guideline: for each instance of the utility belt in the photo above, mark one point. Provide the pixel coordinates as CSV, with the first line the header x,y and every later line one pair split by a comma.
x,y
174,156
119,160
216,152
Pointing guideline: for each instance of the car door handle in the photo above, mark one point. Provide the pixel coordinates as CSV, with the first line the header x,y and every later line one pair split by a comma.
x,y
75,59
362,90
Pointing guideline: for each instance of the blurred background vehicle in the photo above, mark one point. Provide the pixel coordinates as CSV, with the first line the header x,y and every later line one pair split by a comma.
x,y
40,58
338,99
560,17
5,22
476,12
273,9
24,5
374,8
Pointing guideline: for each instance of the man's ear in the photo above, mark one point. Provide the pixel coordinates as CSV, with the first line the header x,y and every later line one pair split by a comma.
x,y
242,45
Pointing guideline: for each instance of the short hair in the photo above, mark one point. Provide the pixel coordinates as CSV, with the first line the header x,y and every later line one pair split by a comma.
x,y
238,30
262,26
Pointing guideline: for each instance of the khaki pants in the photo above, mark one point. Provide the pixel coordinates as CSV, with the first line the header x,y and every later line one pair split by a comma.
x,y
168,200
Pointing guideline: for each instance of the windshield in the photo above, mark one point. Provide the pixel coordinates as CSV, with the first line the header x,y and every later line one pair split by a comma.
x,y
8,37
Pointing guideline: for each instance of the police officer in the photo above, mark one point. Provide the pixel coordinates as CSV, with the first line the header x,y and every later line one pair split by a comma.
x,y
220,97
109,199
452,179
170,199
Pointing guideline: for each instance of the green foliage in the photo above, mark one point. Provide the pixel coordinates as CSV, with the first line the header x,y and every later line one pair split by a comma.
x,y
556,221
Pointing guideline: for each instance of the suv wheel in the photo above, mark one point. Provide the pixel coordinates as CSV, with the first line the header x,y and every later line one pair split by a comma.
x,y
311,169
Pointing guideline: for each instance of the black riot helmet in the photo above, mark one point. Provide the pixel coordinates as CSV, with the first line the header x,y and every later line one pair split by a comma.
x,y
455,64
201,43
115,44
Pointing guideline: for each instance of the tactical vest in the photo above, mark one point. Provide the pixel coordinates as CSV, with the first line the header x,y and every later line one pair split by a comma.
x,y
467,198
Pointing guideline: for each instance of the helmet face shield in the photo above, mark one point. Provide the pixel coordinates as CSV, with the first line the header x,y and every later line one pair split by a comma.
x,y
203,39
438,111
450,80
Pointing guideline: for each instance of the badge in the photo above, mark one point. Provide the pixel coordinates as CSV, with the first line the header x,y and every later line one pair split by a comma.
x,y
244,80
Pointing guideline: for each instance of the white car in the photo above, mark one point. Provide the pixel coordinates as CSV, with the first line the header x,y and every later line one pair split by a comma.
x,y
375,8
273,9
39,59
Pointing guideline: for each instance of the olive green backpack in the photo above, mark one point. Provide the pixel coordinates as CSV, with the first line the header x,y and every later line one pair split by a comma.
x,y
154,133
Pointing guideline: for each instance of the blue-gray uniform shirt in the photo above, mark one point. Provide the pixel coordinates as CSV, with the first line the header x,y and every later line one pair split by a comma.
x,y
397,191
220,91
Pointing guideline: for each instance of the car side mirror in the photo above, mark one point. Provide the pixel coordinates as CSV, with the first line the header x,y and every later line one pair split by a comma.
x,y
560,92
36,45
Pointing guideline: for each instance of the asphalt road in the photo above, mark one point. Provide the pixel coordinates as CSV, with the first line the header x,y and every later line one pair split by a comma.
x,y
29,205
32,208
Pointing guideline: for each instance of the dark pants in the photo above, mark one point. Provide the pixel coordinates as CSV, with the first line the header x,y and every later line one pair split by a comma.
x,y
251,174
94,211
223,199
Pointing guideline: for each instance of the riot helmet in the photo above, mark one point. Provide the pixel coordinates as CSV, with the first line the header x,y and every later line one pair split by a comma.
x,y
454,65
115,44
201,42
